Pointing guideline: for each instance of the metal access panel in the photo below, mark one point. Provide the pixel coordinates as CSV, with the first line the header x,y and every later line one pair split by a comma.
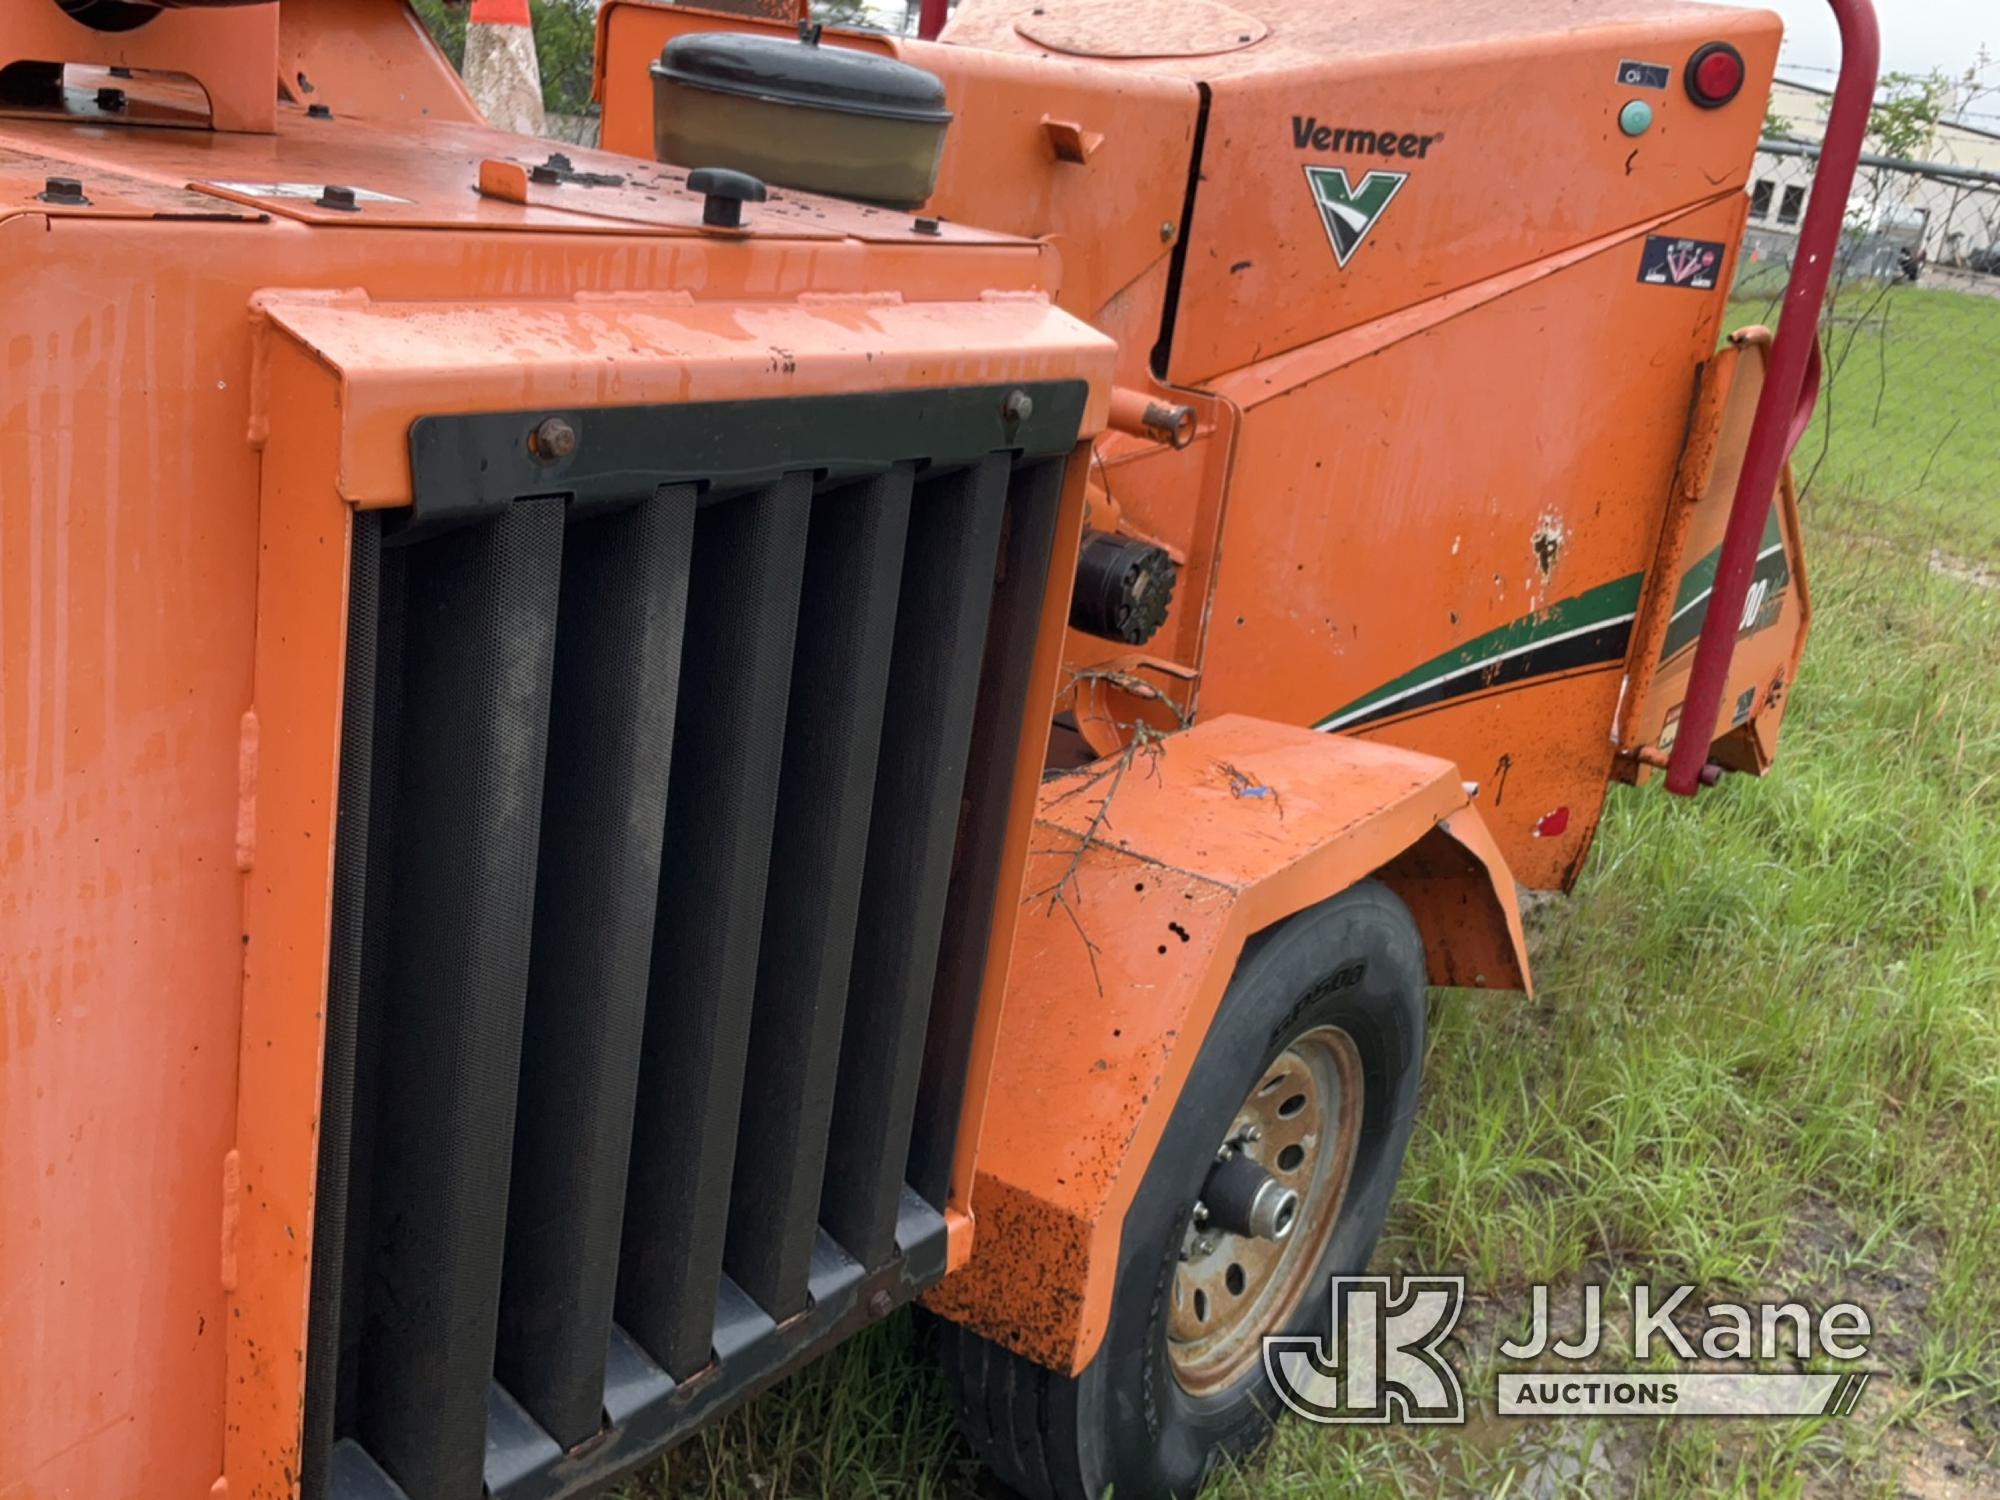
x,y
659,913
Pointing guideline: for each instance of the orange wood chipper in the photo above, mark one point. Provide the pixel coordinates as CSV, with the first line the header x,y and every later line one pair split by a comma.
x,y
620,761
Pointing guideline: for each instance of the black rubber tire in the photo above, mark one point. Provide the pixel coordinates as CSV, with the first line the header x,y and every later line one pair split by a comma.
x,y
1125,1425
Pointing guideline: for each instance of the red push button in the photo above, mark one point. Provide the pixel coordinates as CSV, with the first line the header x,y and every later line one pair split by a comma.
x,y
1715,75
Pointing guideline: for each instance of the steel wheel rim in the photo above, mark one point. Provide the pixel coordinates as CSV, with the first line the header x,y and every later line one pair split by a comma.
x,y
1302,1123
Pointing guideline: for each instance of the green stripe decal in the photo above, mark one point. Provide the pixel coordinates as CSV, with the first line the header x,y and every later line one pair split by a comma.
x,y
1596,621
1696,584
1591,629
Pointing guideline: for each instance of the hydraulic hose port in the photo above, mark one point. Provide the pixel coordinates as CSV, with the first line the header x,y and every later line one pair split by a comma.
x,y
1139,415
1242,1198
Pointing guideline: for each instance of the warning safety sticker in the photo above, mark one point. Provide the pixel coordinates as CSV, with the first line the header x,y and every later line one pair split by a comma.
x,y
1668,261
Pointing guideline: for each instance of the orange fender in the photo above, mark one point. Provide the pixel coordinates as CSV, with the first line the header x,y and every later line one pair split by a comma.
x,y
1148,873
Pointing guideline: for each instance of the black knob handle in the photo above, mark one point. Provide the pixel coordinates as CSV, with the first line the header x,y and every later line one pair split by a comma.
x,y
724,192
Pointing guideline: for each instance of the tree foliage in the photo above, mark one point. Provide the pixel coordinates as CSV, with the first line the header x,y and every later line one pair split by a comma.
x,y
1907,109
565,41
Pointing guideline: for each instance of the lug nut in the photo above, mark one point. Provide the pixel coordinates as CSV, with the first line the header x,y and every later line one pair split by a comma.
x,y
65,190
553,439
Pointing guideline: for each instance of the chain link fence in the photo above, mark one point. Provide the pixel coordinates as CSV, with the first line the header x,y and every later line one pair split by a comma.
x,y
1906,442
1906,219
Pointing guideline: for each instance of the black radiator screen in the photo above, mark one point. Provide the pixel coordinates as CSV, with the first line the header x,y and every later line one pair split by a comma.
x,y
671,802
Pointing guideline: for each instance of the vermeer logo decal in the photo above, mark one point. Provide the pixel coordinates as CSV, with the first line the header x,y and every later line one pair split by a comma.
x,y
1350,211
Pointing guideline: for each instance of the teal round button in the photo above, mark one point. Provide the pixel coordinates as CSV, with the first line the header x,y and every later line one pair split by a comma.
x,y
1636,118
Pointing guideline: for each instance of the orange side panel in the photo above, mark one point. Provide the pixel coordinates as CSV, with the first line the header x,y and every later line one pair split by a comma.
x,y
287,896
1458,572
127,590
1127,939
368,58
1473,138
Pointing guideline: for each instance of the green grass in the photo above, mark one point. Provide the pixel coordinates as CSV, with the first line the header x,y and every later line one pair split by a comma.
x,y
1906,441
1765,1055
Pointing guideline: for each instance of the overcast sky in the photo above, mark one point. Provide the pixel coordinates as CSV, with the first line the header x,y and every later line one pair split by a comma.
x,y
1917,35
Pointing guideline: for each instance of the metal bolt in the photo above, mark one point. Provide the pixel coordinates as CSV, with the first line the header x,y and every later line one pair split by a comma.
x,y
1200,1212
544,174
319,111
1166,234
1018,407
880,1305
62,190
1251,1134
926,226
341,198
554,439
108,98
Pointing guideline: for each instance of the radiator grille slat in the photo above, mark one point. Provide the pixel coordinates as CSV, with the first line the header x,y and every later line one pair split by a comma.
x,y
1033,505
728,742
948,574
840,679
604,800
480,639
343,1000
384,776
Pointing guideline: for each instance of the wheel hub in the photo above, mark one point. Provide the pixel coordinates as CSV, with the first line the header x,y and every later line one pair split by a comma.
x,y
1300,1126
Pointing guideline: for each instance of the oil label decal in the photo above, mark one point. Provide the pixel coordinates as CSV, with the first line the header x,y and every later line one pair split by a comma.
x,y
1350,210
1667,261
1639,75
302,190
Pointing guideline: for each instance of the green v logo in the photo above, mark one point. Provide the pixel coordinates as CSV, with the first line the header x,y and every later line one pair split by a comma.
x,y
1350,212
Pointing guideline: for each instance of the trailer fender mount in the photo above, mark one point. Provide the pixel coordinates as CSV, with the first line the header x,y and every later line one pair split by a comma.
x,y
1147,874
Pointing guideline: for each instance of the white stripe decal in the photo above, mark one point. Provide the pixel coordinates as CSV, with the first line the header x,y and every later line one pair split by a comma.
x,y
1478,666
1703,595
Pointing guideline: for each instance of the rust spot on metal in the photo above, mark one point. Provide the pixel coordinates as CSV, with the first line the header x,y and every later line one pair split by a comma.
x,y
1024,1288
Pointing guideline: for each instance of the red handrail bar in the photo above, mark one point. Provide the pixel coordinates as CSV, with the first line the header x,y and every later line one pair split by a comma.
x,y
930,19
1788,396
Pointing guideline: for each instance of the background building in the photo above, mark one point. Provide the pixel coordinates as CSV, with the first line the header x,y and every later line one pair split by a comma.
x,y
1947,202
